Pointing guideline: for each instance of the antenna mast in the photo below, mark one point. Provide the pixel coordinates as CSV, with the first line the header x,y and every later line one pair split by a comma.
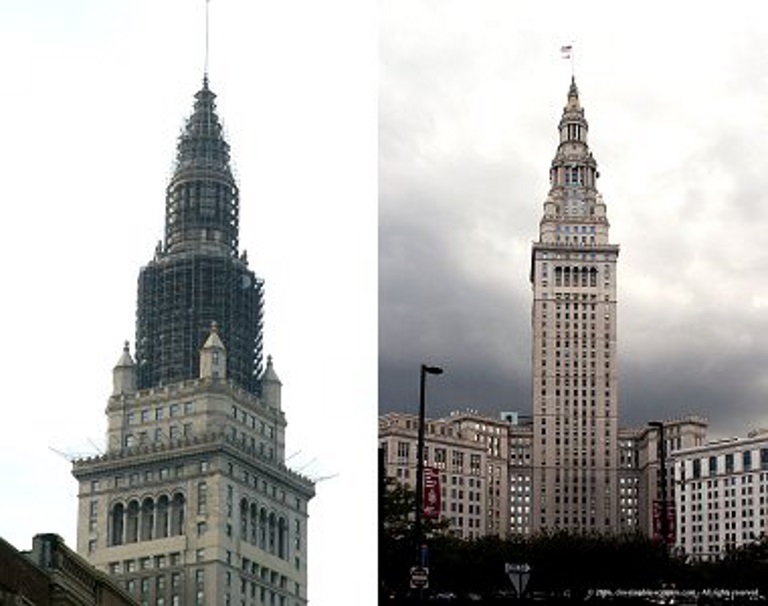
x,y
205,69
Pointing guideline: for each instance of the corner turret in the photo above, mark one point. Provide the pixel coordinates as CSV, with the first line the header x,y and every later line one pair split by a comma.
x,y
213,356
124,374
271,386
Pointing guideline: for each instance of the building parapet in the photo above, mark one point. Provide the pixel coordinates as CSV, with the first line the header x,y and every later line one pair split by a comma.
x,y
148,453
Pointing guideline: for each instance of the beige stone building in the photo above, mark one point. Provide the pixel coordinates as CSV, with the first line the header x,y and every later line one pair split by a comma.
x,y
192,503
721,495
575,449
470,453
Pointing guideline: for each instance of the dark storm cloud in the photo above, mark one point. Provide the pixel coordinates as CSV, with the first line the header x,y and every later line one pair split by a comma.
x,y
468,117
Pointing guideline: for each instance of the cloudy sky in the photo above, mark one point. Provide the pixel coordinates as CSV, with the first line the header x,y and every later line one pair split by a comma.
x,y
93,97
676,95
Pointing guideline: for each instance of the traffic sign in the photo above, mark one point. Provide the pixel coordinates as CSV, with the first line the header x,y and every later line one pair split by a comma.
x,y
419,577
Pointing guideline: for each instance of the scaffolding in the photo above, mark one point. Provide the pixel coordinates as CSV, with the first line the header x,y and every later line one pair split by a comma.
x,y
197,277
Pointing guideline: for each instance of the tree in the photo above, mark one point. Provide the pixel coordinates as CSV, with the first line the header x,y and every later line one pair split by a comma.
x,y
397,543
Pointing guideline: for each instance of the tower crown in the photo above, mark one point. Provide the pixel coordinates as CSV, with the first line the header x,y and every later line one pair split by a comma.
x,y
202,199
573,164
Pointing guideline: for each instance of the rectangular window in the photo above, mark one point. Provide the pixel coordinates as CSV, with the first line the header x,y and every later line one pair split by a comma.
x,y
747,460
202,497
764,458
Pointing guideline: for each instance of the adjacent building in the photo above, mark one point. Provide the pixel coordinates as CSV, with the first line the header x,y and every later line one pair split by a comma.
x,y
721,495
51,574
469,453
192,502
499,453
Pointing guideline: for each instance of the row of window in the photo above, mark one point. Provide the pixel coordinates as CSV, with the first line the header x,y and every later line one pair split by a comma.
x,y
725,463
147,415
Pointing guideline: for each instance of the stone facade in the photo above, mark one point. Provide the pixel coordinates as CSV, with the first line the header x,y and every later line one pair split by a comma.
x,y
470,454
192,503
575,373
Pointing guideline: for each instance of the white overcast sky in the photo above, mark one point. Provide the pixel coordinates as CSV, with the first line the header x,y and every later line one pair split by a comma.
x,y
676,96
92,97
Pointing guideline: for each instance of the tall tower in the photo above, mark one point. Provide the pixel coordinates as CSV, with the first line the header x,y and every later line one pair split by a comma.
x,y
575,395
192,503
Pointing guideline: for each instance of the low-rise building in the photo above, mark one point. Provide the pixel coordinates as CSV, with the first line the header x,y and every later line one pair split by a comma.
x,y
470,454
722,488
54,575
485,466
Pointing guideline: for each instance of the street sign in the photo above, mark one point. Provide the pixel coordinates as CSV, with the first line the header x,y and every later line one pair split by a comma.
x,y
519,575
419,577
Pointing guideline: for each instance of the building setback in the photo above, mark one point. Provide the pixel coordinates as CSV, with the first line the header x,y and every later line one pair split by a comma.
x,y
192,503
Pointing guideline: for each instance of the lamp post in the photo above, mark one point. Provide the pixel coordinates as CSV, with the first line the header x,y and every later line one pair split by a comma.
x,y
662,456
425,370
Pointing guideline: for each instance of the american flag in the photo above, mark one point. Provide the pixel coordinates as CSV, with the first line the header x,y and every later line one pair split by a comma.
x,y
566,51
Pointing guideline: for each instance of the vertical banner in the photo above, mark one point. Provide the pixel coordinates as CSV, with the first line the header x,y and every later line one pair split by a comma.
x,y
431,493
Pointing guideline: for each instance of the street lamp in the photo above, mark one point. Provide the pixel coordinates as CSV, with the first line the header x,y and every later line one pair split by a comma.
x,y
662,456
425,370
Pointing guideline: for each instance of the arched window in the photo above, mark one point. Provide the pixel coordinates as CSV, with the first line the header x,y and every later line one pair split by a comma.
x,y
244,519
118,513
162,517
254,524
177,514
132,522
282,538
263,528
272,531
147,532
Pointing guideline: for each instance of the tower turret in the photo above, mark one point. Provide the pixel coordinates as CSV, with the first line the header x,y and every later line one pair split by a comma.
x,y
271,386
213,356
124,374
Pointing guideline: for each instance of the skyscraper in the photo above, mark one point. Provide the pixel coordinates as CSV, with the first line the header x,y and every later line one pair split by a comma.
x,y
575,395
192,503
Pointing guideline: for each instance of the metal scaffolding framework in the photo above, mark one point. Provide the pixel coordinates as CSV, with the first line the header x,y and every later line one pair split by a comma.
x,y
198,276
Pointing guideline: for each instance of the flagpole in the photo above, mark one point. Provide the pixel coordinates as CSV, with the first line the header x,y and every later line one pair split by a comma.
x,y
573,62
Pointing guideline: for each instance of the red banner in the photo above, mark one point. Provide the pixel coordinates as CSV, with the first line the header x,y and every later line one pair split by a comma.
x,y
657,521
431,493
